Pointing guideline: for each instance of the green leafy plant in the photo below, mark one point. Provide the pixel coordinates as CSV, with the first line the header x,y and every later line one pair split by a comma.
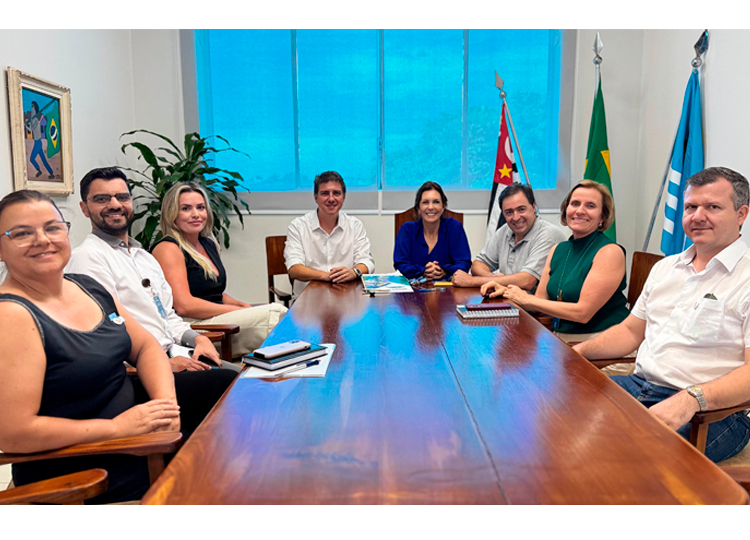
x,y
166,165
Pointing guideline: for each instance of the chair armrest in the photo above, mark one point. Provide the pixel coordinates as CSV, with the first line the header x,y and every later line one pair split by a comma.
x,y
281,295
222,333
69,489
224,328
708,417
162,442
214,336
604,363
699,423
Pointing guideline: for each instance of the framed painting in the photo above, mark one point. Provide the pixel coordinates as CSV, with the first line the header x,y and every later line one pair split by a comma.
x,y
41,135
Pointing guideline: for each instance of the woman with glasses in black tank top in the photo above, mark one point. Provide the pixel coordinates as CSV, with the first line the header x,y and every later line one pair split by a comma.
x,y
64,342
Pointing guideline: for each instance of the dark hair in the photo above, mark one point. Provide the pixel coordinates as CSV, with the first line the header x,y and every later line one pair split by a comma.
x,y
740,191
429,186
516,187
35,105
103,173
25,195
328,176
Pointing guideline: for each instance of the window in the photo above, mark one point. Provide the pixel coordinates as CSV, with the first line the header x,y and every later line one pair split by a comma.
x,y
388,109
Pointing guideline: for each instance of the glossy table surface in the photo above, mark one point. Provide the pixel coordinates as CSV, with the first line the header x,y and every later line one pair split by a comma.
x,y
420,406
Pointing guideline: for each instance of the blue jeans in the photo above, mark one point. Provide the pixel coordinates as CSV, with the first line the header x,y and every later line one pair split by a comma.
x,y
725,438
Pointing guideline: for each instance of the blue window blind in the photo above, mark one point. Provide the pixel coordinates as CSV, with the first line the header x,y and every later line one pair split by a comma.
x,y
388,109
423,97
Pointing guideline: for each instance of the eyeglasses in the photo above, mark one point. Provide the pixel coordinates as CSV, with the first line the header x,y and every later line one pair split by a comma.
x,y
25,235
104,198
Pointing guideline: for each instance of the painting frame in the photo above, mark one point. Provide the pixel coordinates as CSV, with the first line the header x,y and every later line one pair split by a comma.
x,y
26,133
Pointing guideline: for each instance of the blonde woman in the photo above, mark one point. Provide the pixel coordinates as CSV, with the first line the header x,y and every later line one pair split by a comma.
x,y
189,257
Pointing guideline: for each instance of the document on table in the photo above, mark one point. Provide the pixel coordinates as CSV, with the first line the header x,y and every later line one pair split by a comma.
x,y
386,283
319,370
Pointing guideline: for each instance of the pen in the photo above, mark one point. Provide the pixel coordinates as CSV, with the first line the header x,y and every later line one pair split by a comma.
x,y
297,368
437,289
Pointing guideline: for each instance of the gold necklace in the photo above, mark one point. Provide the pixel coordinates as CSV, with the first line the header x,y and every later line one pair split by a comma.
x,y
565,267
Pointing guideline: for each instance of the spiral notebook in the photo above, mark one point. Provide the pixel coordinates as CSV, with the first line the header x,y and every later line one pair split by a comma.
x,y
486,313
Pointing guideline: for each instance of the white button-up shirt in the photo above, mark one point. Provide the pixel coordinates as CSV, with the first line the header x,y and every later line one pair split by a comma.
x,y
121,268
308,244
697,323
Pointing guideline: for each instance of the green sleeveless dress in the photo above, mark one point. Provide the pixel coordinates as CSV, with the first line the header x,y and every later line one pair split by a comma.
x,y
569,267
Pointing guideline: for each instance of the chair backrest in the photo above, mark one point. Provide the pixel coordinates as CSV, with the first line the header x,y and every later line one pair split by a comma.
x,y
408,215
639,271
275,259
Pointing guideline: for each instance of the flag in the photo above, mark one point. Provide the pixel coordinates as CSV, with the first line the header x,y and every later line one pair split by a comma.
x,y
52,113
687,159
597,166
506,173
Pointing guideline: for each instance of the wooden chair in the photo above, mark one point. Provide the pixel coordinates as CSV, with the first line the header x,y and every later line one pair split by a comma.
x,y
737,467
83,486
219,333
69,489
642,264
409,215
641,267
276,267
700,422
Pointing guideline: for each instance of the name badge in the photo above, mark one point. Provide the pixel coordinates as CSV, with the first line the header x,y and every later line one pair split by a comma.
x,y
117,319
159,306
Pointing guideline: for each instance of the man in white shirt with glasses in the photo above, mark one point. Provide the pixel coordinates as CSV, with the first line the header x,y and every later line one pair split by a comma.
x,y
133,275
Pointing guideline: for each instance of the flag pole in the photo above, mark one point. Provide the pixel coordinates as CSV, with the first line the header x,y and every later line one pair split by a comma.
x,y
701,46
499,84
598,46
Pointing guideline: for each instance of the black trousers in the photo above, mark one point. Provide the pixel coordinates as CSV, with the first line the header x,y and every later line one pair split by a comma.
x,y
197,393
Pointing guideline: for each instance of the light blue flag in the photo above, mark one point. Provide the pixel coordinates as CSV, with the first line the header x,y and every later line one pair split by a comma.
x,y
687,159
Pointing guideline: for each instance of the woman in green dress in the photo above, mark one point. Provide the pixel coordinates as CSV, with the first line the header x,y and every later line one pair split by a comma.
x,y
584,277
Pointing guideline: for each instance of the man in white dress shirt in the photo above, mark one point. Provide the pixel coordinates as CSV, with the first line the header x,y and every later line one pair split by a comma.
x,y
692,320
132,274
327,244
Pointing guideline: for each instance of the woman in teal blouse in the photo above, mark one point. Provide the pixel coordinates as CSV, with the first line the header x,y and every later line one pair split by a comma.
x,y
584,278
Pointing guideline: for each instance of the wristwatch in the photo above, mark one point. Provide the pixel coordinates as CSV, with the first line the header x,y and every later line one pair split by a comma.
x,y
697,392
357,271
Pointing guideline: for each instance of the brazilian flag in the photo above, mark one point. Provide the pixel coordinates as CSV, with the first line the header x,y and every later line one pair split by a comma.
x,y
52,112
597,166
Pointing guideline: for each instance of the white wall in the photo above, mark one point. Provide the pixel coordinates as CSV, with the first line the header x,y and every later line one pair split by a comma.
x,y
725,77
97,67
119,79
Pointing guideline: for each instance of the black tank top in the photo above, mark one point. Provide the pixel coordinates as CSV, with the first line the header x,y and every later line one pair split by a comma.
x,y
85,378
201,286
85,374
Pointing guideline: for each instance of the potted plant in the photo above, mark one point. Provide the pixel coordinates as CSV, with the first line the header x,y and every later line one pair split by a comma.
x,y
166,165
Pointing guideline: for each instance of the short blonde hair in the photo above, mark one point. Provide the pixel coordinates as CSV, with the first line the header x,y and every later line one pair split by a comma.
x,y
170,209
608,203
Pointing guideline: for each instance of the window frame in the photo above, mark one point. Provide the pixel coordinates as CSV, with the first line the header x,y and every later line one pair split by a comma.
x,y
384,200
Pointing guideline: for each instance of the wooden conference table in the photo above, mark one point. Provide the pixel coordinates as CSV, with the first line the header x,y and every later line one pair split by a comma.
x,y
419,406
